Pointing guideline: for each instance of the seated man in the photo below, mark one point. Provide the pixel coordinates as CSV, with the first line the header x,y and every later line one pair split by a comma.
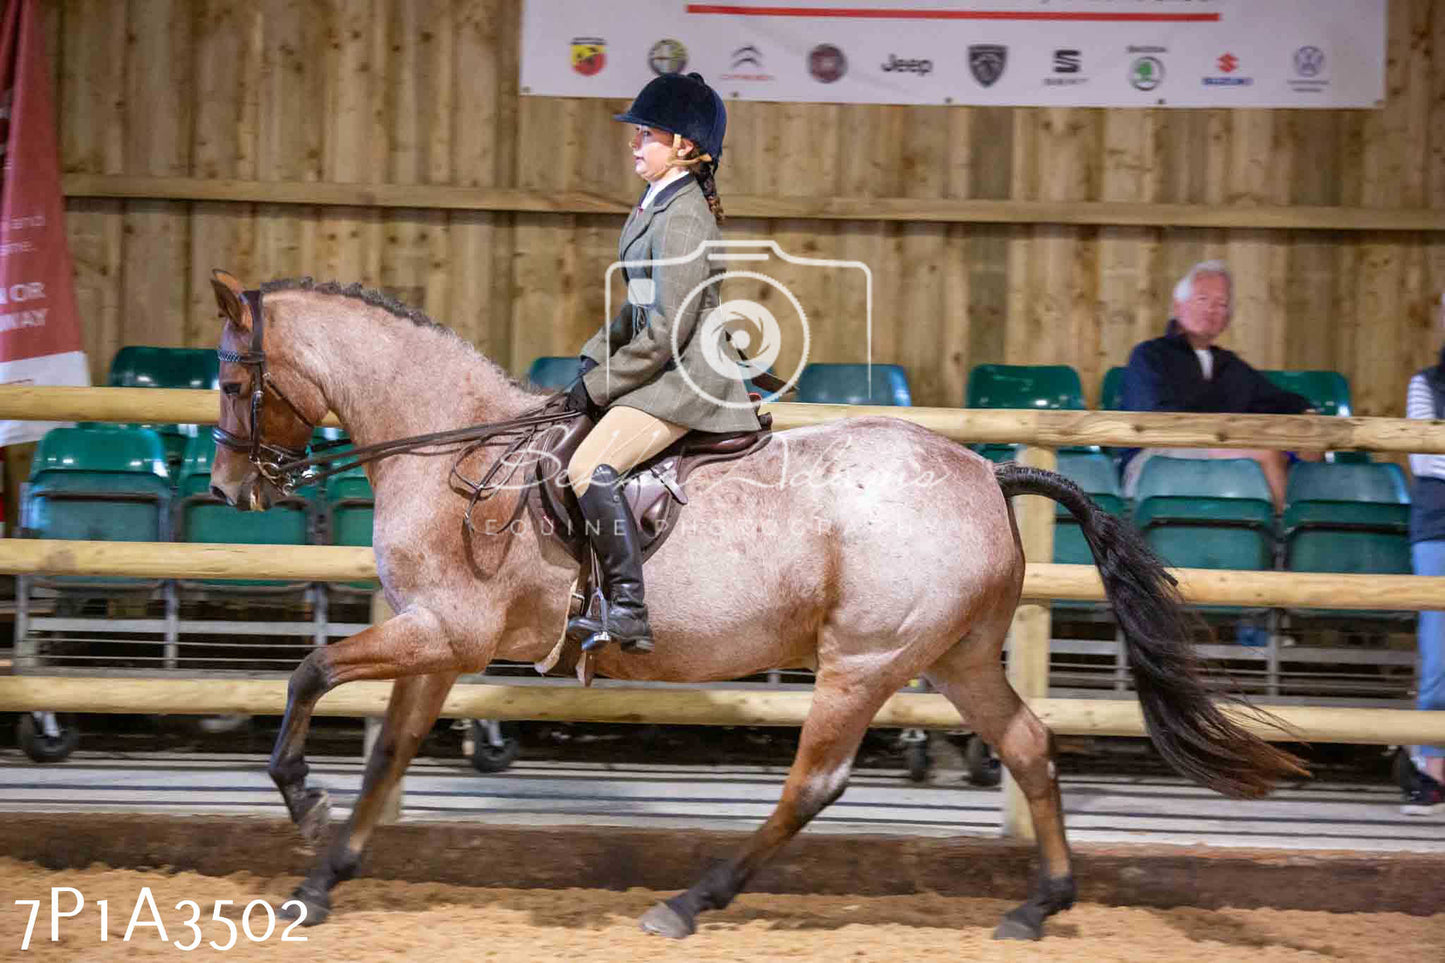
x,y
1185,371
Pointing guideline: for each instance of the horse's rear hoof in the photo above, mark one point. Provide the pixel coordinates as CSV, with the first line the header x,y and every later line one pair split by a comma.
x,y
663,920
315,817
1014,929
310,909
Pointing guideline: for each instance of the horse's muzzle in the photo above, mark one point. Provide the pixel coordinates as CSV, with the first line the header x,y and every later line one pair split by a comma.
x,y
255,495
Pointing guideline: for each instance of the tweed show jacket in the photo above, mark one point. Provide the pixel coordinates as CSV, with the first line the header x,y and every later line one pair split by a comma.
x,y
652,356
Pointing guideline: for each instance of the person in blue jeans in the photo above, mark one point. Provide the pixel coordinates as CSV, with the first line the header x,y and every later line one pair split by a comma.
x,y
1426,399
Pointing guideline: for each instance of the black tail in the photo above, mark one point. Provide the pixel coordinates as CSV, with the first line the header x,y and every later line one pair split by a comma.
x,y
1190,731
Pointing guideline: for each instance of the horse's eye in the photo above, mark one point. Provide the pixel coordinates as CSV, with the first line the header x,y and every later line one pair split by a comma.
x,y
231,388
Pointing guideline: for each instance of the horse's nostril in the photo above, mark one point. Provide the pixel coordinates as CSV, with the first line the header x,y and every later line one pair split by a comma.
x,y
216,490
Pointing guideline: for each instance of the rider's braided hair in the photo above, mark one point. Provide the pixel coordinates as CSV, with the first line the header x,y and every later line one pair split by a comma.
x,y
704,168
705,172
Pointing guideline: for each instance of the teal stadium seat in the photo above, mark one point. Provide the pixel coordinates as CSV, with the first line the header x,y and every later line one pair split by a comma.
x,y
553,371
1111,398
351,507
1328,393
1093,472
139,366
1206,513
1052,386
201,517
100,484
850,384
1111,390
1352,518
556,372
142,366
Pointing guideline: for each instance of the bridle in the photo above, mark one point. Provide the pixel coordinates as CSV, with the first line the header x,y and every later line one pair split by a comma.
x,y
269,458
288,467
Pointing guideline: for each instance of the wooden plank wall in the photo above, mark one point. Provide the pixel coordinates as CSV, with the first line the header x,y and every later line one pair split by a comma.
x,y
424,92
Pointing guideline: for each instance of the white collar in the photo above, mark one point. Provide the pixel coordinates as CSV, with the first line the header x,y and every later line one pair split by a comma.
x,y
660,183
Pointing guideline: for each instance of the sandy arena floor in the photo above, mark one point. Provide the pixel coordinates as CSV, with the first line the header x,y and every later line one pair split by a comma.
x,y
383,920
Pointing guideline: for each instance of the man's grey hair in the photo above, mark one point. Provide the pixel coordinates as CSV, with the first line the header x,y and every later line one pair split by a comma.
x,y
1184,290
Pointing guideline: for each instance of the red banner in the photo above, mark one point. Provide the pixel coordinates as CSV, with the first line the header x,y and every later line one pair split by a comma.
x,y
39,319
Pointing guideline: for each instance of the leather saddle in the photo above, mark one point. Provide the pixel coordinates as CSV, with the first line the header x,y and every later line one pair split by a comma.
x,y
654,489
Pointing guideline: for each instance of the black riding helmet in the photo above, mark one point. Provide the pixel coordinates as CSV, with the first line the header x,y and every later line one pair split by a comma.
x,y
683,105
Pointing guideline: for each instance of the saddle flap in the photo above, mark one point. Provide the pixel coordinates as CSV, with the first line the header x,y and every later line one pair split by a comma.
x,y
553,449
723,443
649,494
654,490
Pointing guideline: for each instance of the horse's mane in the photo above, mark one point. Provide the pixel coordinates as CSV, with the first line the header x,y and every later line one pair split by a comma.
x,y
380,299
355,291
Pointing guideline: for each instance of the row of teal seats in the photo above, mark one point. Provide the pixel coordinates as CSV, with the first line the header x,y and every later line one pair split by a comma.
x,y
1059,387
823,383
1198,514
146,366
114,483
1055,386
990,386
1218,514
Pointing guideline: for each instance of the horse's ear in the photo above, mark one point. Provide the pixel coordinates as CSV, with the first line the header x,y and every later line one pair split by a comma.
x,y
228,297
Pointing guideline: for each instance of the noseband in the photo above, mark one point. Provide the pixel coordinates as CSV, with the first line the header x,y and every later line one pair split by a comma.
x,y
268,457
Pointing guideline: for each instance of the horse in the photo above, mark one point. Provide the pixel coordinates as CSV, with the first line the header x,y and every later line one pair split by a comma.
x,y
869,550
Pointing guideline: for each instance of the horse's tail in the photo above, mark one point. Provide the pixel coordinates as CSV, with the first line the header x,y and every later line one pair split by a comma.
x,y
1190,731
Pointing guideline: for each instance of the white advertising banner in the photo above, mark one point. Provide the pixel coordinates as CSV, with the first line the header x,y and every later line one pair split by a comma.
x,y
1049,53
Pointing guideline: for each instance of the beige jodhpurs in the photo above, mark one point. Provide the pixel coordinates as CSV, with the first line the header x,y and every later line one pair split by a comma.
x,y
624,437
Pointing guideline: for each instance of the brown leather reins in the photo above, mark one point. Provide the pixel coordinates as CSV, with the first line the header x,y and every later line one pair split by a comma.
x,y
289,467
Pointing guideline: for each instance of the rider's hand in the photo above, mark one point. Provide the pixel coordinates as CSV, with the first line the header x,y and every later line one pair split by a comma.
x,y
579,400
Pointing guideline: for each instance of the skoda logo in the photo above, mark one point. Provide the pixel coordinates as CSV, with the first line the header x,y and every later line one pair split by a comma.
x,y
1146,73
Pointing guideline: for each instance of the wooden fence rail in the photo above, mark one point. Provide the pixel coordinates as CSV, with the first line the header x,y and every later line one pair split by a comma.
x,y
1051,429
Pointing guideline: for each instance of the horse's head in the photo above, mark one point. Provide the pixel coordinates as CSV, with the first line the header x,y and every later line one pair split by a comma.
x,y
264,403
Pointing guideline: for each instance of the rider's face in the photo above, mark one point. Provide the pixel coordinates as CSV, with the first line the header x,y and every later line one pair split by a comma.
x,y
651,151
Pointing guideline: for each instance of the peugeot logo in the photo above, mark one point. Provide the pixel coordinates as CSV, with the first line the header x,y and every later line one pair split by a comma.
x,y
1309,61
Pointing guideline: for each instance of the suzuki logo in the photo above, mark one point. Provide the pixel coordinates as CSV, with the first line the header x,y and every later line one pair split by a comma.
x,y
1229,63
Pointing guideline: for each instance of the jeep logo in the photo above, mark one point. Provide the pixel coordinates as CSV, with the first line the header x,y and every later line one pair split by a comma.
x,y
896,64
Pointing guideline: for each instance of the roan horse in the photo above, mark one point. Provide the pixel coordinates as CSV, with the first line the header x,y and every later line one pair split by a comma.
x,y
893,554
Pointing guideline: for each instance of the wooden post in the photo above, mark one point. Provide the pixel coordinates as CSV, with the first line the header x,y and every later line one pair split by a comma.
x,y
17,470
391,808
1028,638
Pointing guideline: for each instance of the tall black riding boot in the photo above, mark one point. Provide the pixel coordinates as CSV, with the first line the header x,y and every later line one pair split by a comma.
x,y
613,534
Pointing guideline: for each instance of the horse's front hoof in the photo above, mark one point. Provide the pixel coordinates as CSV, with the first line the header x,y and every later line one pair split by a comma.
x,y
1016,929
315,817
663,920
305,905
